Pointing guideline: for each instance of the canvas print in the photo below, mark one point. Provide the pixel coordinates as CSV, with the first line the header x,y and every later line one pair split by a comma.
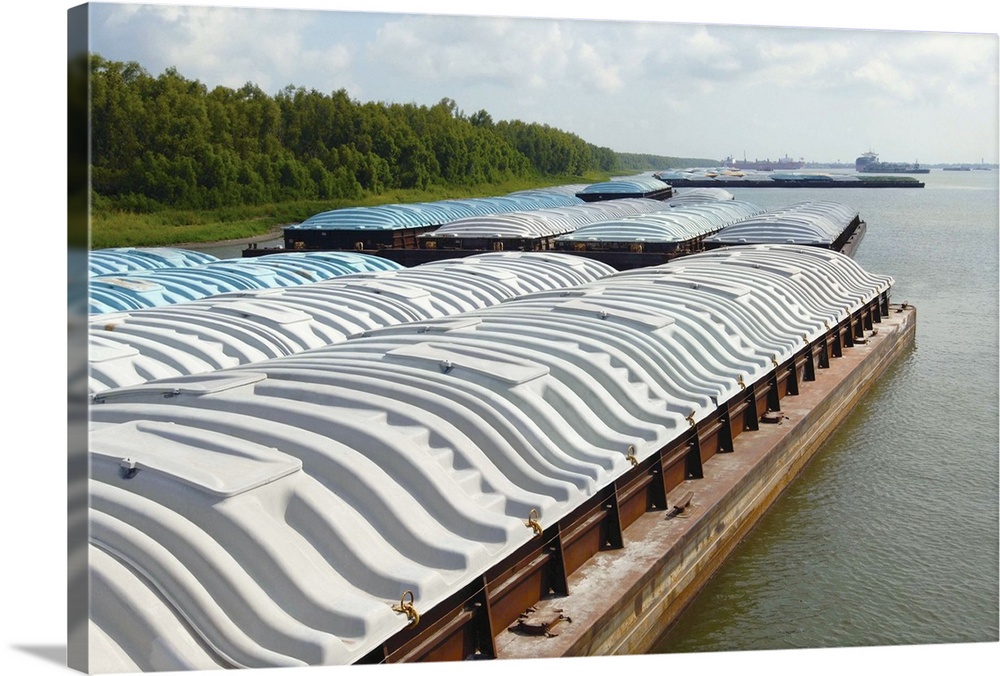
x,y
402,338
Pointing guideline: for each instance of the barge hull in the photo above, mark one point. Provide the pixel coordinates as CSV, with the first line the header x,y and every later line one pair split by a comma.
x,y
624,599
771,183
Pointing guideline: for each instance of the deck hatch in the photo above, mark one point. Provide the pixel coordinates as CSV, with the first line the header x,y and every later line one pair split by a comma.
x,y
209,383
217,464
453,361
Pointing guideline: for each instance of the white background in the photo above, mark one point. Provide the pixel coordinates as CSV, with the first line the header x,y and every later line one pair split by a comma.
x,y
33,447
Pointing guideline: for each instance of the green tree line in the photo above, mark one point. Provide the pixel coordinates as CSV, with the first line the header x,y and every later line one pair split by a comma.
x,y
170,142
646,162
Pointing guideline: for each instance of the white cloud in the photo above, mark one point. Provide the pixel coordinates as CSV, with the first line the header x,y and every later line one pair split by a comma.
x,y
465,51
229,46
641,86
703,43
882,77
607,77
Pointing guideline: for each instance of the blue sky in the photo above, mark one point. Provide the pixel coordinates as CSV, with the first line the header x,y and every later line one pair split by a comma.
x,y
649,78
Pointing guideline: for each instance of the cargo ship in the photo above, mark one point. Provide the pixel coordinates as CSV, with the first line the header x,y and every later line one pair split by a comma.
x,y
869,163
783,164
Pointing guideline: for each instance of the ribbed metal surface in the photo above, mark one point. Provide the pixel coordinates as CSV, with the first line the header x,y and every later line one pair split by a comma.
x,y
810,223
688,196
274,514
241,328
543,222
166,286
634,185
127,259
402,216
679,224
313,266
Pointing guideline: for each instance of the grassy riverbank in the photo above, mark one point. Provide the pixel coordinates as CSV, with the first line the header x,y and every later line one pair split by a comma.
x,y
172,227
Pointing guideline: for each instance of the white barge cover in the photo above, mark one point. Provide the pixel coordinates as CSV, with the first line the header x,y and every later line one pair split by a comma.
x,y
119,260
623,187
540,223
812,223
402,216
679,224
138,289
274,514
199,336
686,196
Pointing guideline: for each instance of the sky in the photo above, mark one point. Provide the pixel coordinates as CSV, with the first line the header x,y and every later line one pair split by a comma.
x,y
644,78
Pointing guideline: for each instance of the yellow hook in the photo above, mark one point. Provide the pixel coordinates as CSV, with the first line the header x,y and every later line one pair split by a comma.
x,y
407,607
533,522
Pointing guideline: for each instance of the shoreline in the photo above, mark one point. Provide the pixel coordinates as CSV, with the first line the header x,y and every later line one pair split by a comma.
x,y
275,234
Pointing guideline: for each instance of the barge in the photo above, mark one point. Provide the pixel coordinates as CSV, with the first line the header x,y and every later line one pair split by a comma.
x,y
471,487
858,183
640,186
828,225
536,229
533,230
397,225
667,560
655,238
630,233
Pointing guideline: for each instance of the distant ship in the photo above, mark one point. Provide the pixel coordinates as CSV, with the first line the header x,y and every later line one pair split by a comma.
x,y
782,164
869,164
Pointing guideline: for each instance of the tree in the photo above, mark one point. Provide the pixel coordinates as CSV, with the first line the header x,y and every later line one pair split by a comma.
x,y
169,141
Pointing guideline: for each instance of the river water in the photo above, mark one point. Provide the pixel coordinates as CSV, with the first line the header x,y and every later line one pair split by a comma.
x,y
890,535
